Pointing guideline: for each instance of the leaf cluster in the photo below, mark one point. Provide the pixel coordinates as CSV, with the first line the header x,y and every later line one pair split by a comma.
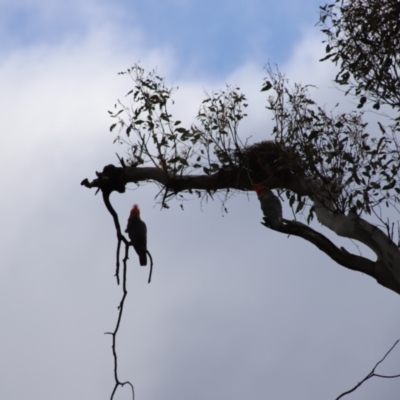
x,y
156,138
363,37
356,170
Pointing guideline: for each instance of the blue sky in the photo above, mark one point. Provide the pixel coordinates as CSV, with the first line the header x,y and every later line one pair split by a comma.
x,y
234,310
209,38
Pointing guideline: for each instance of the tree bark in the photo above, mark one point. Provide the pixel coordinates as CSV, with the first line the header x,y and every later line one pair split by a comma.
x,y
385,269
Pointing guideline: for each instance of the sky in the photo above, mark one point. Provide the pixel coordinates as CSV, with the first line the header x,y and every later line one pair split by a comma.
x,y
234,311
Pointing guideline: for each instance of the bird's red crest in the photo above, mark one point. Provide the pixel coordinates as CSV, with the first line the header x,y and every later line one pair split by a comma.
x,y
259,189
135,212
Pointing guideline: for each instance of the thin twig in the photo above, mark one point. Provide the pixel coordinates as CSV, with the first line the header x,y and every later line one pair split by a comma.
x,y
372,373
114,334
121,238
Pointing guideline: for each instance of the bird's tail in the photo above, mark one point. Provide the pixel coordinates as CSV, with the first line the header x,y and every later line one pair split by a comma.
x,y
143,260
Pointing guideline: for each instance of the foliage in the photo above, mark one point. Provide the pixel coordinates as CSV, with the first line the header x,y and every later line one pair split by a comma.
x,y
364,39
358,170
164,142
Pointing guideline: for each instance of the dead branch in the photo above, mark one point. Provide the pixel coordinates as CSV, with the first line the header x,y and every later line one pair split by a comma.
x,y
372,374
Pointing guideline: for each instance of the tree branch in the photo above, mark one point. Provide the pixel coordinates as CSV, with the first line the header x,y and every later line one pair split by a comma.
x,y
120,236
387,266
385,270
114,334
115,178
339,255
372,373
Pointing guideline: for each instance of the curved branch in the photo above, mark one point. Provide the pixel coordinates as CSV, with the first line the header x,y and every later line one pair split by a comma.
x,y
339,255
120,236
387,266
351,226
110,208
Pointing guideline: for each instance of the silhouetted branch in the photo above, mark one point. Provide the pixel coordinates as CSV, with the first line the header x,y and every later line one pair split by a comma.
x,y
340,255
372,373
120,236
114,334
117,268
116,178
